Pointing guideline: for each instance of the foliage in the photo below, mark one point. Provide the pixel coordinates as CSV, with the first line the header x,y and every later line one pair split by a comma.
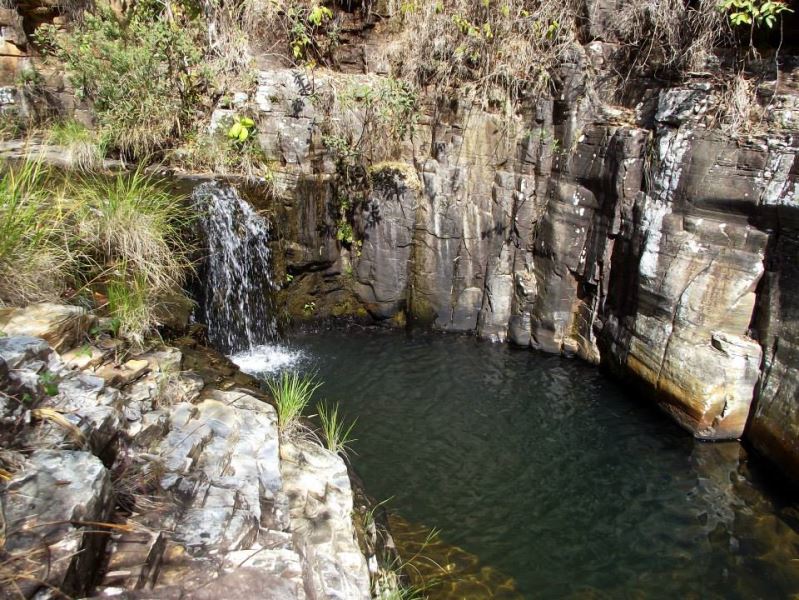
x,y
49,382
338,436
143,76
754,12
308,33
241,129
291,392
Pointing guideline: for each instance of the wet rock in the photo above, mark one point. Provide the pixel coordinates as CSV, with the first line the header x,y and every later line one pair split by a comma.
x,y
61,326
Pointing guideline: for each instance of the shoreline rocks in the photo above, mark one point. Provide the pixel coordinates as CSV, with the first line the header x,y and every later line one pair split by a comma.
x,y
170,483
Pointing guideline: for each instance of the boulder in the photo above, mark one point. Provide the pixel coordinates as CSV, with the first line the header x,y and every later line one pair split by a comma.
x,y
54,510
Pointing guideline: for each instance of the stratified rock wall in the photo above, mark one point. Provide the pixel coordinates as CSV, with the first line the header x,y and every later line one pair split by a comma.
x,y
634,237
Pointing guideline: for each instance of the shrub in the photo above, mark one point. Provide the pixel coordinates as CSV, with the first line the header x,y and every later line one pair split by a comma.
x,y
143,77
292,392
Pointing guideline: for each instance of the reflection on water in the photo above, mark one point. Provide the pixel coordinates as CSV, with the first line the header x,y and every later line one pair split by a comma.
x,y
562,483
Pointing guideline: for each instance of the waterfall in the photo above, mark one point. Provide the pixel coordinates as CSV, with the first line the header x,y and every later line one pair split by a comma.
x,y
237,283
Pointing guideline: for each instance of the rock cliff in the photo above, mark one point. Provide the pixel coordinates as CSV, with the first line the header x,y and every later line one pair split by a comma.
x,y
642,236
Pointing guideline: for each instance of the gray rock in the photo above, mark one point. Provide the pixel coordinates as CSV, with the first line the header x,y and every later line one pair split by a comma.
x,y
62,326
52,509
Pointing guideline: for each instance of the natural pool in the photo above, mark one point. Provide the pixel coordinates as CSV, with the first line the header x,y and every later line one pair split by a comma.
x,y
552,474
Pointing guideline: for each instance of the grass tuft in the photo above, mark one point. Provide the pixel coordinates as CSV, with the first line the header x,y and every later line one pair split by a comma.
x,y
85,149
292,392
134,224
338,436
33,260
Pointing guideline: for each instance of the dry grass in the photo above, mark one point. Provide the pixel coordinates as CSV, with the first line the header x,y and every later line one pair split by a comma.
x,y
738,110
215,153
53,416
670,35
507,48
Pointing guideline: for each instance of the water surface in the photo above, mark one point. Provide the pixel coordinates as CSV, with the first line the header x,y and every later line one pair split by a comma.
x,y
553,474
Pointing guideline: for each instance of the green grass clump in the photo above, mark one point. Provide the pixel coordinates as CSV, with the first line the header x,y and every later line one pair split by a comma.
x,y
131,308
131,232
292,392
119,237
84,149
338,436
131,223
34,263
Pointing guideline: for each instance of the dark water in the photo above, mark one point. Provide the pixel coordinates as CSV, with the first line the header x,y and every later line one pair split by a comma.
x,y
553,474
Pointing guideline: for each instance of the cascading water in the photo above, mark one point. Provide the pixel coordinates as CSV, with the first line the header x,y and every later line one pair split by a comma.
x,y
238,286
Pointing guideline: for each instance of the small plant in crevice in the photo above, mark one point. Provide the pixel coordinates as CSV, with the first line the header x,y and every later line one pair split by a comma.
x,y
49,382
337,434
291,392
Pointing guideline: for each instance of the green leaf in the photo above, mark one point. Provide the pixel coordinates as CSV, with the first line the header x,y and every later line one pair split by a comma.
x,y
247,122
235,131
243,134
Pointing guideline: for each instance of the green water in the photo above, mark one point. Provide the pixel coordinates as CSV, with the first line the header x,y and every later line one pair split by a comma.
x,y
554,474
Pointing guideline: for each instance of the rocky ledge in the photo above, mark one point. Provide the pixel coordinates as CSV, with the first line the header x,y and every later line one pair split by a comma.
x,y
160,475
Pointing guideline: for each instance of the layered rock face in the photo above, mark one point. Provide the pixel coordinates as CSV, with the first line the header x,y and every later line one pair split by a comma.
x,y
635,237
162,476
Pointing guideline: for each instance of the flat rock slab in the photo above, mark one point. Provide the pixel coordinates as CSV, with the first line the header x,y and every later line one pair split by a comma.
x,y
62,326
52,510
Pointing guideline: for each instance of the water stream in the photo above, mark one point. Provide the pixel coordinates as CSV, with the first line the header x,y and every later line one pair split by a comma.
x,y
236,280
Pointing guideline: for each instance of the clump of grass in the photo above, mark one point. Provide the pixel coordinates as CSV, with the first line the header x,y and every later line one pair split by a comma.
x,y
338,436
292,392
131,235
133,225
34,264
131,309
85,149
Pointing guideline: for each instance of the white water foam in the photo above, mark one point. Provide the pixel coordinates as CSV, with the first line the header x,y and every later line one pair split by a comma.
x,y
267,359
